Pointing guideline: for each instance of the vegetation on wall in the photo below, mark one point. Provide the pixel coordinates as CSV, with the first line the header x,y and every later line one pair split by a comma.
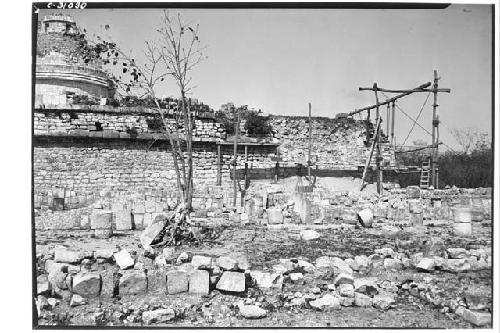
x,y
256,124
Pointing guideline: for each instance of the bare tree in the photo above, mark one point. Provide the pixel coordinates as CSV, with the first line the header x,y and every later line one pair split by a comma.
x,y
471,139
175,54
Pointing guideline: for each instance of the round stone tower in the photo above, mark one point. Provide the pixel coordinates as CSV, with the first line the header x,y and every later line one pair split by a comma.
x,y
61,71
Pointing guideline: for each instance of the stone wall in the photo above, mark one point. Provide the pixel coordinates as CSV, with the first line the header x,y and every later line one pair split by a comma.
x,y
339,144
82,150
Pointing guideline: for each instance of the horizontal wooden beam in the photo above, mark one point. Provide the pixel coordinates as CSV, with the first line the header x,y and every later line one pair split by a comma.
x,y
446,90
390,100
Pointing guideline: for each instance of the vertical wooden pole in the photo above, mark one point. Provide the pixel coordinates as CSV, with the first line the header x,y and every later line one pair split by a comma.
x,y
219,167
246,173
310,146
392,122
435,123
377,138
277,166
387,120
437,153
235,154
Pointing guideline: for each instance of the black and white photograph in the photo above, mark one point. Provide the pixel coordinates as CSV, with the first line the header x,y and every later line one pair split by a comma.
x,y
263,165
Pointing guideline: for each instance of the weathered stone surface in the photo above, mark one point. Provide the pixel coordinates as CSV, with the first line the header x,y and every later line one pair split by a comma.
x,y
309,235
232,281
367,286
43,288
457,265
362,264
252,311
392,264
177,281
274,216
296,276
457,253
325,303
426,264
133,283
151,234
346,290
201,262
343,278
106,254
347,301
477,318
123,219
362,300
67,256
267,280
77,300
227,263
87,284
158,316
383,301
385,252
306,266
365,217
340,266
242,259
103,233
199,282
101,219
123,259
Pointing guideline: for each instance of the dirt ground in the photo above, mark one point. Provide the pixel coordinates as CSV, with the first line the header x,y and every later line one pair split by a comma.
x,y
264,247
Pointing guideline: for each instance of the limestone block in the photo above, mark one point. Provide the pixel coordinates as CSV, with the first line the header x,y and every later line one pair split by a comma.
x,y
177,281
199,282
232,281
87,284
133,282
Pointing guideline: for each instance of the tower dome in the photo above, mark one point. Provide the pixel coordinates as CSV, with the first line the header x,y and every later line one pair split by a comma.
x,y
61,68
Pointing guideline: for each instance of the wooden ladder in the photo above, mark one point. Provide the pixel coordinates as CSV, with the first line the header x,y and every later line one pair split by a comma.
x,y
425,174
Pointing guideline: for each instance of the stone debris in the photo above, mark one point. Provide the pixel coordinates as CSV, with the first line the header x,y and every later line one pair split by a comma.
x,y
123,259
87,284
476,318
362,300
265,280
64,255
158,316
343,278
252,311
227,263
326,303
199,282
309,235
383,301
77,300
346,290
426,264
201,262
177,281
133,282
232,282
296,276
152,234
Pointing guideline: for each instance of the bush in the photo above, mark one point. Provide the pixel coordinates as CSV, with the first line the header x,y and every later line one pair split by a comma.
x,y
227,122
459,169
256,124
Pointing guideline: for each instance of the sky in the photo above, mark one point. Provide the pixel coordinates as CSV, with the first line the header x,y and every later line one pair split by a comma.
x,y
279,60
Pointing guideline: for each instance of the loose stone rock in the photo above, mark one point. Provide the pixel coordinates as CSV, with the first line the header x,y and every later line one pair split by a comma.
x,y
343,279
158,316
67,256
123,259
232,281
296,276
265,280
426,264
227,263
346,290
199,282
77,300
252,311
151,234
362,300
383,301
477,318
87,284
177,281
308,235
325,303
201,262
133,283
